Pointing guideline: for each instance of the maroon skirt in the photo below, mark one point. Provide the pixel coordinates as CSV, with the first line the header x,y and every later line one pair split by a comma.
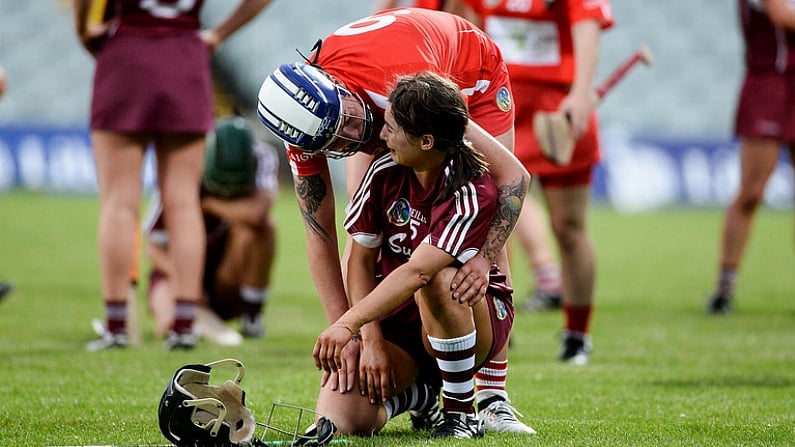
x,y
766,107
155,83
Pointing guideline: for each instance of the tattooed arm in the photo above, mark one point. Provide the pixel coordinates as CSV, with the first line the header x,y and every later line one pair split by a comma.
x,y
512,180
316,202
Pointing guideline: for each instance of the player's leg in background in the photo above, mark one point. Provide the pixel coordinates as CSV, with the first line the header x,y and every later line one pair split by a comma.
x,y
246,271
568,209
533,238
118,162
179,169
133,322
758,159
161,301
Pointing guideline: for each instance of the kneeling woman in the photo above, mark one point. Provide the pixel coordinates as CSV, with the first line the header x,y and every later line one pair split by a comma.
x,y
421,211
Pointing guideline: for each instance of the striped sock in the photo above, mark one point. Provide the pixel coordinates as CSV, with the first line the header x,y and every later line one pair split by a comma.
x,y
116,315
184,314
547,277
727,281
456,359
490,383
415,397
492,376
253,299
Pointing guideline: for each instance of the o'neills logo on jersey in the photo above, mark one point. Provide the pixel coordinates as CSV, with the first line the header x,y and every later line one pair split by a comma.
x,y
504,101
399,213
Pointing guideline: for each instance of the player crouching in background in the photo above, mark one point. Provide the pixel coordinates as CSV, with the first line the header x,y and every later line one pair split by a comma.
x,y
239,186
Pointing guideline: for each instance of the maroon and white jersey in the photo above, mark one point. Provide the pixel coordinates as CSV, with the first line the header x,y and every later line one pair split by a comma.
x,y
163,15
388,211
768,48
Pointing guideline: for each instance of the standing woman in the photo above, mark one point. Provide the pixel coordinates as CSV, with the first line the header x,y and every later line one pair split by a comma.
x,y
152,85
765,125
551,49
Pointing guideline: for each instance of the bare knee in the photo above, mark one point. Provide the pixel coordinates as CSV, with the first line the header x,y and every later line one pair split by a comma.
x,y
747,202
352,413
567,232
436,293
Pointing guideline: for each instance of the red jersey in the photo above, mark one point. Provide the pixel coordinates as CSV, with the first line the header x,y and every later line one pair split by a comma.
x,y
429,4
768,48
160,16
535,35
388,211
368,56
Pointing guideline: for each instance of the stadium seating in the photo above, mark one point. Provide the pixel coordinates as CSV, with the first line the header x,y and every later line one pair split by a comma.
x,y
690,89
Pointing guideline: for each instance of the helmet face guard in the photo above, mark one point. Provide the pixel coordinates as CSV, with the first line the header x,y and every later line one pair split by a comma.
x,y
304,107
193,413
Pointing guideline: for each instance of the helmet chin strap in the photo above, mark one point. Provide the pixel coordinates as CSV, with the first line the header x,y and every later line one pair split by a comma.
x,y
316,49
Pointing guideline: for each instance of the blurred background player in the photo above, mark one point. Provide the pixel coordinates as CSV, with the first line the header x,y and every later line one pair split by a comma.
x,y
152,85
552,52
531,230
239,187
765,124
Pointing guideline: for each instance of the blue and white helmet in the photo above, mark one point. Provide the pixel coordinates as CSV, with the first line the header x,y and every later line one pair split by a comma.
x,y
304,107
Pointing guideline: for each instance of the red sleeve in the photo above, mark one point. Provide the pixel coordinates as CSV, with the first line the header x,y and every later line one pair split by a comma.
x,y
304,164
598,10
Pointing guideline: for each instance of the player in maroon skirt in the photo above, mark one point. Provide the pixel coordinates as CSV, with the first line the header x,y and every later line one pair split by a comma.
x,y
422,210
765,124
152,85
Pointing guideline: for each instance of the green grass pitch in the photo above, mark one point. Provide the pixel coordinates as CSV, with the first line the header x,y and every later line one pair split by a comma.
x,y
662,373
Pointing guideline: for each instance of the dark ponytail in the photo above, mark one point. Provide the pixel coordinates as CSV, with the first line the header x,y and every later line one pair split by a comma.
x,y
427,103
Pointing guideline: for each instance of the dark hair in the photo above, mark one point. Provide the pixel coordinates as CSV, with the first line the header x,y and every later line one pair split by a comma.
x,y
427,103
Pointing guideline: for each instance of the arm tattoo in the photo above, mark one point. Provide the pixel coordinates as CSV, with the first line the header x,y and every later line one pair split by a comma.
x,y
509,203
311,191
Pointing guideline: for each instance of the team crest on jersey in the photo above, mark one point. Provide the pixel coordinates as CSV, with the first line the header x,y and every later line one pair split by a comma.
x,y
499,308
399,213
504,101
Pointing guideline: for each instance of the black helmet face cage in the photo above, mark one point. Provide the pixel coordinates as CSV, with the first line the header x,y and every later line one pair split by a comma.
x,y
286,426
354,126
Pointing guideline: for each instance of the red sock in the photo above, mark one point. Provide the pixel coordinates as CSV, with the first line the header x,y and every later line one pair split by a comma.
x,y
577,317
